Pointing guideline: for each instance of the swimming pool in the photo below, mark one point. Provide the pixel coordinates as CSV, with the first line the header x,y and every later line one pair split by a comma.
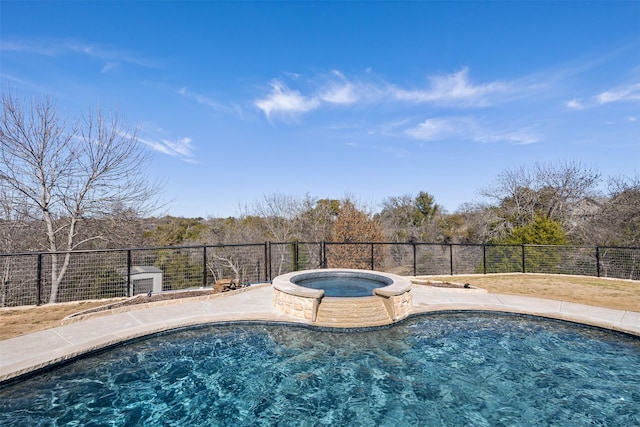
x,y
444,369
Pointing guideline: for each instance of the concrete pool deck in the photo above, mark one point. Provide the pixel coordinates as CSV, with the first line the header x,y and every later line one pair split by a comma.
x,y
31,352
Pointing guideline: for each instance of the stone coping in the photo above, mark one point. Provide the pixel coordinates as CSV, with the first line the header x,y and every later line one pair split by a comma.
x,y
395,285
395,289
107,309
29,353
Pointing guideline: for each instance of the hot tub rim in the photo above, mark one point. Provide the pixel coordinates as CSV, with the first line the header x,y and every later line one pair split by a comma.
x,y
394,284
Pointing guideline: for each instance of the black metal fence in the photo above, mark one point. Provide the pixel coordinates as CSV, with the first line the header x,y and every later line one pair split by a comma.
x,y
31,279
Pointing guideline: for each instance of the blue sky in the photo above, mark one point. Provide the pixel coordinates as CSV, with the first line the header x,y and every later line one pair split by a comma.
x,y
238,100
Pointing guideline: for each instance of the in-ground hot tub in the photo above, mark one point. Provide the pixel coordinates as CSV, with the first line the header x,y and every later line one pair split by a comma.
x,y
342,283
300,293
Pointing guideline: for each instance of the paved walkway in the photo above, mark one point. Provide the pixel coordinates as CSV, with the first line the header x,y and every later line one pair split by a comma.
x,y
30,352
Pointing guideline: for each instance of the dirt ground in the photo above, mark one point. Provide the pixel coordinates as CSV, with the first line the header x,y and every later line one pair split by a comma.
x,y
610,293
23,320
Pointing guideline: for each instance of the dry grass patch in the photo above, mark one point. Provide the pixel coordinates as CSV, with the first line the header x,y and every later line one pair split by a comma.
x,y
24,320
610,293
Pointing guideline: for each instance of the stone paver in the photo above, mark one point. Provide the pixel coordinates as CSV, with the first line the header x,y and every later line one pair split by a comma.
x,y
30,352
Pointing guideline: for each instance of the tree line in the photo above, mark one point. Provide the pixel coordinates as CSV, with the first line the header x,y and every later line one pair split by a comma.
x,y
517,210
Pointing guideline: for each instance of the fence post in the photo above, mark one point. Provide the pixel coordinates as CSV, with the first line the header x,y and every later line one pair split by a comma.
x,y
324,254
415,269
484,259
204,266
372,260
597,261
39,279
523,269
295,256
129,290
451,258
267,260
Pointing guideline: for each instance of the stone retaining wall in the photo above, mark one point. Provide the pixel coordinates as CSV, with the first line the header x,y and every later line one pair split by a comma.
x,y
398,306
295,305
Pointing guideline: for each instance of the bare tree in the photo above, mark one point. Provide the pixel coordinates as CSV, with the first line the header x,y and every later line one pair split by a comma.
x,y
278,213
68,173
408,218
624,212
398,219
14,237
549,190
615,220
315,222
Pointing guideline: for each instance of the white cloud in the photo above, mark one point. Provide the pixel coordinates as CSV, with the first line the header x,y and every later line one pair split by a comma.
x,y
454,89
465,128
31,46
392,127
59,47
339,94
335,88
283,101
21,82
436,129
575,104
516,137
628,93
110,66
619,94
181,148
207,101
338,89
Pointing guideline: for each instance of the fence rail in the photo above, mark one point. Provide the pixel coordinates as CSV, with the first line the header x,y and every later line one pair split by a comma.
x,y
35,278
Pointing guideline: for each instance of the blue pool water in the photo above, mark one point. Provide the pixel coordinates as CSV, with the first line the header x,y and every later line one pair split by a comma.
x,y
439,370
342,285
